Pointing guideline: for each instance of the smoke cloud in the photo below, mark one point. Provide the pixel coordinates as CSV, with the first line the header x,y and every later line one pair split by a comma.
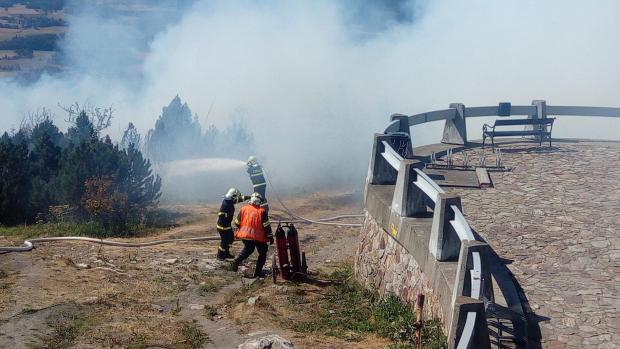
x,y
316,79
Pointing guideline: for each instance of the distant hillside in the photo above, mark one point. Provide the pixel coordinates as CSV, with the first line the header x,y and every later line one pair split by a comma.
x,y
44,5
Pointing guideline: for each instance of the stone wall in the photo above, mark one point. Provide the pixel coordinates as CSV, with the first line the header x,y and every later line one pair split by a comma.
x,y
382,264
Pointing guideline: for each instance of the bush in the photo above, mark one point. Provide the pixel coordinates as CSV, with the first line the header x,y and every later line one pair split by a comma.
x,y
393,319
194,337
106,205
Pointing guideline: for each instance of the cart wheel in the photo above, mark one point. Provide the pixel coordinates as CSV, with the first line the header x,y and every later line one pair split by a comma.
x,y
274,268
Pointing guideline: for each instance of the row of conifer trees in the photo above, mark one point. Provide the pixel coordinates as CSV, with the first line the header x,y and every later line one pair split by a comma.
x,y
79,175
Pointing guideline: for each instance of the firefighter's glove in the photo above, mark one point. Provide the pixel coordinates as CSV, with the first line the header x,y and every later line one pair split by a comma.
x,y
270,237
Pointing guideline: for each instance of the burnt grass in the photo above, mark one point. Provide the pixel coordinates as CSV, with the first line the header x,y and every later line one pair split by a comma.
x,y
348,311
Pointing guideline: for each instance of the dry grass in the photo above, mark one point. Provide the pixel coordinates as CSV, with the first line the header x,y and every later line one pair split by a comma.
x,y
343,312
138,308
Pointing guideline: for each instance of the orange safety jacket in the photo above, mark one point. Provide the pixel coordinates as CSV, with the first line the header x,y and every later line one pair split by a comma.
x,y
253,224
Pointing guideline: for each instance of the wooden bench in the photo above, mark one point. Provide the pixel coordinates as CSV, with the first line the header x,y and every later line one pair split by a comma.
x,y
539,129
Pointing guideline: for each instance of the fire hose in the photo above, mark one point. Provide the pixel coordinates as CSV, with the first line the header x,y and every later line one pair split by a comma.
x,y
300,219
28,245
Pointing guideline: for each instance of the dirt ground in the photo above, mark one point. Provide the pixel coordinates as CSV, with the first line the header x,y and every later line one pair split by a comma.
x,y
77,295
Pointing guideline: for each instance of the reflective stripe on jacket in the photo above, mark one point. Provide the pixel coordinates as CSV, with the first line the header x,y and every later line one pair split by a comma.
x,y
256,176
253,224
227,212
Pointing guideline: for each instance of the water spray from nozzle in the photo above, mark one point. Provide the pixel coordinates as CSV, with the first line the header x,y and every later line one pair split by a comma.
x,y
195,166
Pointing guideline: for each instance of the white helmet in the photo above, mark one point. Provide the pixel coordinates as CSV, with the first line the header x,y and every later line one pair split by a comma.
x,y
256,199
232,193
252,161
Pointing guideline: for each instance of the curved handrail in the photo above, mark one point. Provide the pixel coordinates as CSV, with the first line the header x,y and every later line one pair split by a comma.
x,y
583,111
432,190
468,331
391,156
427,185
472,112
482,111
394,126
460,225
475,274
436,115
462,228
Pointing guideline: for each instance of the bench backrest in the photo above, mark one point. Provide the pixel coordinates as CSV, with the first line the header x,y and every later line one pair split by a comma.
x,y
513,122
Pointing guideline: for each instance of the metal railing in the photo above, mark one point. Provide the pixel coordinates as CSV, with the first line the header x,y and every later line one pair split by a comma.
x,y
391,156
427,185
460,225
529,110
432,190
472,262
468,331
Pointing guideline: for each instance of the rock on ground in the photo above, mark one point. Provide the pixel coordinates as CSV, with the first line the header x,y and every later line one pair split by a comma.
x,y
268,342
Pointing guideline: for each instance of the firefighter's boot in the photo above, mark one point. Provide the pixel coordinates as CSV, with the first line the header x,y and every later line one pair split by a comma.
x,y
222,254
234,265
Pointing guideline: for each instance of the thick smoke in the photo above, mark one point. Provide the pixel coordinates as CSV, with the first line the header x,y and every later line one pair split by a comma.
x,y
317,78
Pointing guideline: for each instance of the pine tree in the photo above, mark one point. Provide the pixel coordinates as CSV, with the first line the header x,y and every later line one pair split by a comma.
x,y
131,136
143,188
91,159
40,167
47,127
14,184
82,130
44,167
177,135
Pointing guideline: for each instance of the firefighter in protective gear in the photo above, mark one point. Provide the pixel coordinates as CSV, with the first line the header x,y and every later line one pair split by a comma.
x,y
255,232
255,170
224,220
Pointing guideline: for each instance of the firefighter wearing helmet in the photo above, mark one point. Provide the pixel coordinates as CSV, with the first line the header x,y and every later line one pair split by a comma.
x,y
224,219
259,183
255,232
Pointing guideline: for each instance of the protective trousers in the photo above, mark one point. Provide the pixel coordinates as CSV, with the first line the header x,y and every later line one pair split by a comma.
x,y
226,239
248,249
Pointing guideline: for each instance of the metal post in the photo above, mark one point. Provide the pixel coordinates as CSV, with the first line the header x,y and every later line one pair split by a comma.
x,y
379,170
541,113
408,199
419,320
444,244
455,129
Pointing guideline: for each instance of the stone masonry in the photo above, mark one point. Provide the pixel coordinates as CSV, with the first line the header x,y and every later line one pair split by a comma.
x,y
382,264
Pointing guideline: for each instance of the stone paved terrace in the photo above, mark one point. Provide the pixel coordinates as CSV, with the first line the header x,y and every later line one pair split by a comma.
x,y
557,217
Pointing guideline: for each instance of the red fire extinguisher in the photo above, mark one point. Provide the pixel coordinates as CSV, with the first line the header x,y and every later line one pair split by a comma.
x,y
290,261
293,245
285,267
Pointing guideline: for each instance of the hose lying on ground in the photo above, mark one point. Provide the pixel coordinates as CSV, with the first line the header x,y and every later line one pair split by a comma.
x,y
306,220
319,220
29,244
